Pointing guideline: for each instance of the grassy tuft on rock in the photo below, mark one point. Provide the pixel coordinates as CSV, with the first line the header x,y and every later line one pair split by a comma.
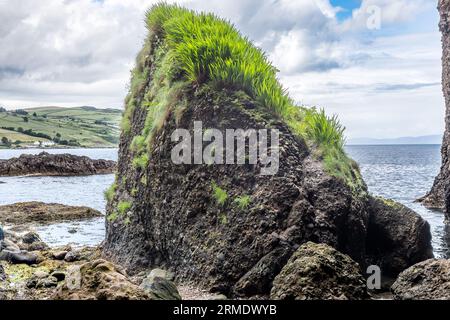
x,y
190,49
220,194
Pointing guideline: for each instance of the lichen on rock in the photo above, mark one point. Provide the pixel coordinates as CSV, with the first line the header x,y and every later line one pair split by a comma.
x,y
319,272
427,280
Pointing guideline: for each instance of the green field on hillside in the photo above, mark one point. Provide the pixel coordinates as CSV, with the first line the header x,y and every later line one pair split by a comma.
x,y
71,127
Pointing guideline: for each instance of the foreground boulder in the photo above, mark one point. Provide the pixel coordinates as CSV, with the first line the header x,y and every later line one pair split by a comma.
x,y
99,280
18,257
159,284
38,212
428,280
45,164
319,272
397,237
228,228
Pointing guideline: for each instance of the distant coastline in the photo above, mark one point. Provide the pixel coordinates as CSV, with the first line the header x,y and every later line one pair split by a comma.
x,y
421,140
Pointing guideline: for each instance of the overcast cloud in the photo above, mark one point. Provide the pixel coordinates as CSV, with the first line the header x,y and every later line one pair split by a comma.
x,y
381,82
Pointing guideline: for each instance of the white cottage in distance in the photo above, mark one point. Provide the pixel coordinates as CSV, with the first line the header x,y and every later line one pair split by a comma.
x,y
44,144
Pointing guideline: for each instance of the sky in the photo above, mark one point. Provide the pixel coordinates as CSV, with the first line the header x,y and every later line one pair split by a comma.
x,y
374,63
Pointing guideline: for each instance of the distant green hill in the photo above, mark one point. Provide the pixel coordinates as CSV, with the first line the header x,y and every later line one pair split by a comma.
x,y
73,127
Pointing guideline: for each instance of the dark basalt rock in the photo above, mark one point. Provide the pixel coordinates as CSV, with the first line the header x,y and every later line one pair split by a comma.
x,y
45,164
428,280
319,272
397,237
173,219
176,222
439,196
23,257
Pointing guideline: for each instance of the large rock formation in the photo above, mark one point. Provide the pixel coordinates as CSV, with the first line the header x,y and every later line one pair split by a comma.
x,y
439,196
45,164
228,227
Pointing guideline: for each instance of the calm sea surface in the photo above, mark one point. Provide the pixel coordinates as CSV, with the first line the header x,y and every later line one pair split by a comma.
x,y
402,173
81,191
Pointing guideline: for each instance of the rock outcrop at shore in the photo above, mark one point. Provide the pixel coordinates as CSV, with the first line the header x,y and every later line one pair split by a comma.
x,y
319,272
397,237
228,227
39,212
68,273
439,196
99,280
45,164
428,280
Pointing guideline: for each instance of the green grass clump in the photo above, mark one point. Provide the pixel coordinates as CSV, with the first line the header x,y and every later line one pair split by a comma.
x,y
190,49
138,144
141,161
220,194
109,193
206,48
223,218
113,216
242,202
123,207
323,130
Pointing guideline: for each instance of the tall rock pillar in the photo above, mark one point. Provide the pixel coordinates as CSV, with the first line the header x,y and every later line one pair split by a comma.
x,y
437,198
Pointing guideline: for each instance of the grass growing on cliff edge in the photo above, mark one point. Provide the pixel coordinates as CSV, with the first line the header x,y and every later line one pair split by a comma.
x,y
200,48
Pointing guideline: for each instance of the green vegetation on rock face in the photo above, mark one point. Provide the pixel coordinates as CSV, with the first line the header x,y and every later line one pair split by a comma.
x,y
190,49
122,208
220,194
109,193
242,202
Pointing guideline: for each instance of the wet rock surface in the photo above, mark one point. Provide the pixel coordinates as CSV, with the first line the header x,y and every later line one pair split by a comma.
x,y
46,164
319,272
397,237
428,280
44,213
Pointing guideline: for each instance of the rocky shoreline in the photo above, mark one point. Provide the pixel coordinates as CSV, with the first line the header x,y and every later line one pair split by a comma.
x,y
24,213
45,164
30,270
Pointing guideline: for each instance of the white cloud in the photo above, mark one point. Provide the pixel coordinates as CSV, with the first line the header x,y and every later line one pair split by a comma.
x,y
79,52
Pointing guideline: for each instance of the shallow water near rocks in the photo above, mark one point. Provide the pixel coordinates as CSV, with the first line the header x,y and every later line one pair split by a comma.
x,y
402,173
77,191
405,173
